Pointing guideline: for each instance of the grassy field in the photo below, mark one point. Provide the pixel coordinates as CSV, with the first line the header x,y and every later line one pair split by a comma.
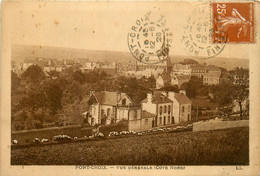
x,y
220,147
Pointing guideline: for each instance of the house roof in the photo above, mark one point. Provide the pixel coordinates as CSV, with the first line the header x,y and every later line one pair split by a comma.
x,y
158,98
109,98
213,68
197,66
182,99
212,74
145,114
181,66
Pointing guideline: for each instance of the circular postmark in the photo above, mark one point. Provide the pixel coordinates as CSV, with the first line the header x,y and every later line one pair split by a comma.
x,y
197,37
149,40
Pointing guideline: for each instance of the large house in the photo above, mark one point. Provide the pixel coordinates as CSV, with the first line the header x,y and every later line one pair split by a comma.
x,y
136,65
211,78
171,80
181,69
201,70
181,106
169,107
159,104
241,77
179,80
143,121
198,70
110,107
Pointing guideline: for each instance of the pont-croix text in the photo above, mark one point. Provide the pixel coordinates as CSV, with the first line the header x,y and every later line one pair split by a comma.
x,y
131,167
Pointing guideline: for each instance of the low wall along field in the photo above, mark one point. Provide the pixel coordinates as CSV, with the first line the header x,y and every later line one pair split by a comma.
x,y
26,136
217,124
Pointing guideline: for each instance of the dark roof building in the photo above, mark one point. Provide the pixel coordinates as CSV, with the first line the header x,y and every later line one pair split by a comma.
x,y
181,98
109,98
158,98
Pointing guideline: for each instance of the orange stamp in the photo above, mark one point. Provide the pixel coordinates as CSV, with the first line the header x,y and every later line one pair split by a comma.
x,y
234,21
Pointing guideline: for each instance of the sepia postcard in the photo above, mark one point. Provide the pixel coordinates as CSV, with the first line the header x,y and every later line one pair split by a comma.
x,y
130,88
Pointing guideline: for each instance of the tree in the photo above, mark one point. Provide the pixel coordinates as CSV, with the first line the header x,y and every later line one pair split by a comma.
x,y
15,81
189,61
34,100
54,96
53,73
79,77
223,94
193,86
72,92
170,88
34,73
240,94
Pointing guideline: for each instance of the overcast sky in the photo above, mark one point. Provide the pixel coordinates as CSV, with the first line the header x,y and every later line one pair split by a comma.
x,y
98,26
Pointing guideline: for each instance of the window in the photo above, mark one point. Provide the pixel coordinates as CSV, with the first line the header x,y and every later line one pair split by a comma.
x,y
108,112
92,121
169,109
160,120
169,119
165,109
124,101
182,110
189,117
172,120
160,110
164,120
146,121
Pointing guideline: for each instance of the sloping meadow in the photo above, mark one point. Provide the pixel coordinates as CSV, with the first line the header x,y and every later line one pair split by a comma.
x,y
220,147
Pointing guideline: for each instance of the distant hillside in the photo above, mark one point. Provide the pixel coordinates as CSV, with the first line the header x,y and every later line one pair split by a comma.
x,y
30,52
227,63
21,52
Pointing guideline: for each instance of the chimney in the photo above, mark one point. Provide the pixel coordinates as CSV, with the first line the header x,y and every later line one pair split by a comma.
x,y
165,93
118,96
183,92
163,98
171,95
91,92
149,97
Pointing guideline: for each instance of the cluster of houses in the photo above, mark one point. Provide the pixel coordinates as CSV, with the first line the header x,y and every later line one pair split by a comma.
x,y
165,73
57,65
181,73
159,109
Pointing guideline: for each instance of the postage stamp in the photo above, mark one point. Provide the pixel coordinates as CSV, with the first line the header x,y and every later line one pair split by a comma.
x,y
149,40
236,20
198,32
